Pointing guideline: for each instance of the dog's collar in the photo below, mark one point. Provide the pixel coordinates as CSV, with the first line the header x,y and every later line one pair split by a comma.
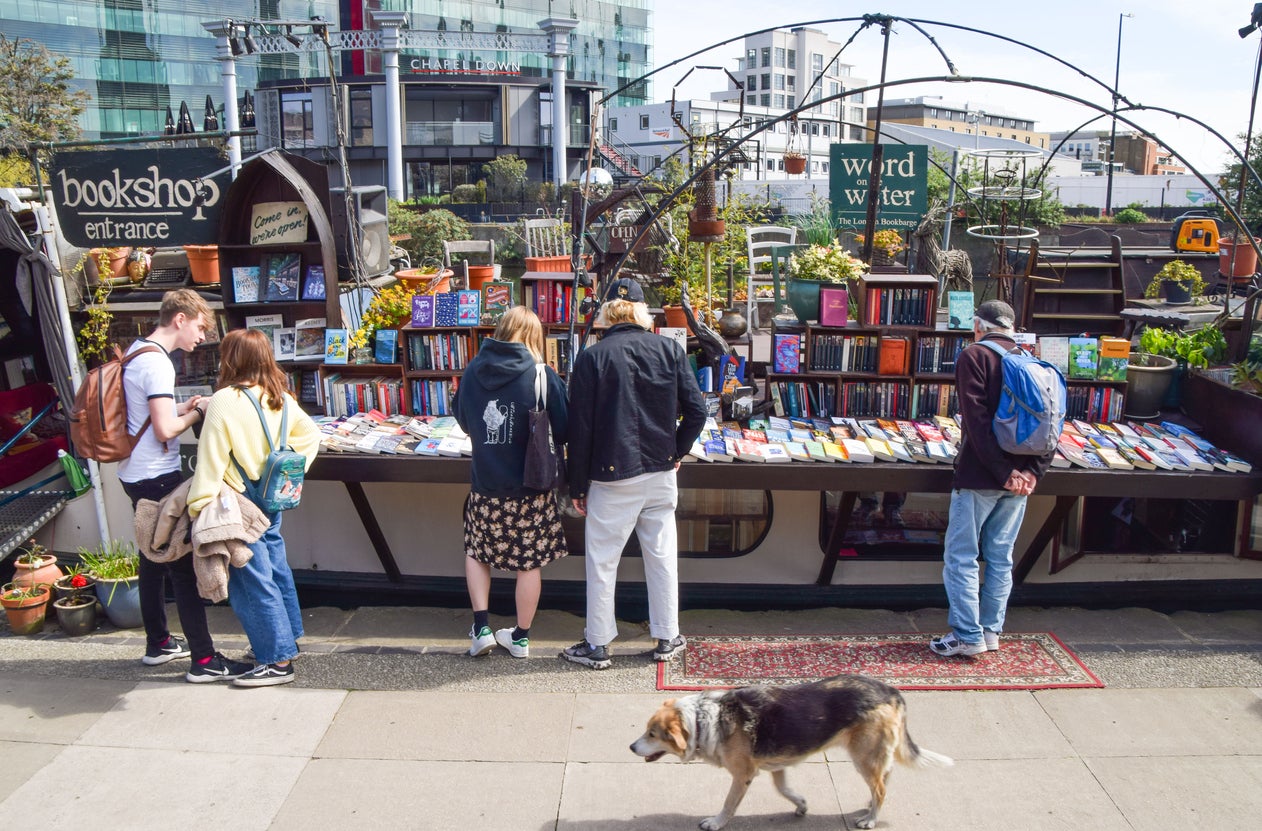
x,y
699,719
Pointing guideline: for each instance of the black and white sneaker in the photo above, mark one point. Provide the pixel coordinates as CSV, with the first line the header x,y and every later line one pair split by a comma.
x,y
266,675
218,668
175,647
666,648
596,657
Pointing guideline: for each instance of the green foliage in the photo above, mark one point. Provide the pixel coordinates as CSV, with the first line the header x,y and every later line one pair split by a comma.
x,y
15,171
505,176
465,194
115,560
427,230
1199,348
1247,376
1176,271
1251,209
36,101
1130,216
481,190
817,226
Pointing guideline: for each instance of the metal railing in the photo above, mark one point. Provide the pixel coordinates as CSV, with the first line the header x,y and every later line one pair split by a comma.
x,y
445,133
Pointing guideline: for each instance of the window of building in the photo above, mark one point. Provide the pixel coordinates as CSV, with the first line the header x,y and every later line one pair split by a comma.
x,y
933,112
751,82
771,164
766,56
779,101
827,129
361,117
644,122
790,82
297,121
779,56
766,99
751,58
792,101
815,128
766,80
613,125
793,59
779,81
817,63
823,168
751,100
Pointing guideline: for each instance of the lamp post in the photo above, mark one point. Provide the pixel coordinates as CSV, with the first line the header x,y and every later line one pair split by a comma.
x,y
1117,74
974,117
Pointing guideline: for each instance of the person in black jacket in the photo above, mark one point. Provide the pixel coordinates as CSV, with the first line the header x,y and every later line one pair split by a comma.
x,y
507,525
988,496
626,439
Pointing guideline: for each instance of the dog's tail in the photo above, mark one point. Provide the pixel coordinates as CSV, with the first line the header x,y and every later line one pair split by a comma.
x,y
912,755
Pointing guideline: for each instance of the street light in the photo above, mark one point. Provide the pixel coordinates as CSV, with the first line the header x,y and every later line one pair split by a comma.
x,y
1117,73
974,117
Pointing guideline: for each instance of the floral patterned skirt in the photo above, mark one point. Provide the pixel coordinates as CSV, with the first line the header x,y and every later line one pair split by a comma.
x,y
513,533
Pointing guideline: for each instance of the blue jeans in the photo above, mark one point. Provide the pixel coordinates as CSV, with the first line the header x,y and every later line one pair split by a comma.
x,y
985,523
263,596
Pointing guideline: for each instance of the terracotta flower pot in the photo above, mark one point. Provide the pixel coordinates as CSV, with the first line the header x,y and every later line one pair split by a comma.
x,y
45,572
479,275
795,164
203,264
1245,262
675,317
26,614
432,282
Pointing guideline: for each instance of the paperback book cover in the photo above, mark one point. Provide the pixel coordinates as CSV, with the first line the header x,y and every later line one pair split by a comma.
x,y
309,339
387,346
446,309
283,343
468,307
313,283
267,324
959,310
1026,340
497,298
833,307
1084,356
1114,354
786,353
245,283
678,335
1055,350
423,311
335,346
282,276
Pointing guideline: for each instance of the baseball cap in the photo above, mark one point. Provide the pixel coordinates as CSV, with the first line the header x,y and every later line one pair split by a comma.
x,y
624,289
996,313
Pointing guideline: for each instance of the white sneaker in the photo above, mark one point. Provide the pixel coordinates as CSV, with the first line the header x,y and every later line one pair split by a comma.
x,y
991,639
518,649
481,642
948,645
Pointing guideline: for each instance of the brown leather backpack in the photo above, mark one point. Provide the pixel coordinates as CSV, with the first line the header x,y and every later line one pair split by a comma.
x,y
98,420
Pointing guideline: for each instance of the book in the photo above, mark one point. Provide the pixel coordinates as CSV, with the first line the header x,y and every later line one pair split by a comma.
x,y
423,311
815,451
857,450
387,346
497,298
676,334
283,344
267,324
834,452
309,339
742,403
1027,341
960,310
1114,355
468,307
1084,355
282,276
245,283
786,353
446,309
773,453
1055,350
747,451
335,346
313,283
894,353
880,449
833,307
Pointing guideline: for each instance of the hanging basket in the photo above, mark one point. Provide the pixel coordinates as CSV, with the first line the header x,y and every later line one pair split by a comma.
x,y
794,163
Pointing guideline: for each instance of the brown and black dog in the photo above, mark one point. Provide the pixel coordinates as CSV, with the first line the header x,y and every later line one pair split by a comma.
x,y
750,729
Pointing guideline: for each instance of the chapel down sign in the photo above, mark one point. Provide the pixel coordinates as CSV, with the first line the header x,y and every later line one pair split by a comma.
x,y
107,198
904,186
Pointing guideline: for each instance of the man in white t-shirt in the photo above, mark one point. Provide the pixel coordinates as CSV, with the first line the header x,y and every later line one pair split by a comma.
x,y
153,470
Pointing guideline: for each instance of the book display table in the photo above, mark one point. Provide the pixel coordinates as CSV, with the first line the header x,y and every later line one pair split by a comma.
x,y
1066,486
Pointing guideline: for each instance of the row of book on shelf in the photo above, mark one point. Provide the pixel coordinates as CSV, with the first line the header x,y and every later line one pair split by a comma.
x,y
466,307
276,280
1084,358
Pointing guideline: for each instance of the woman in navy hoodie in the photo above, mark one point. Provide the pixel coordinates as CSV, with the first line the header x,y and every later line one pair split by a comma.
x,y
507,525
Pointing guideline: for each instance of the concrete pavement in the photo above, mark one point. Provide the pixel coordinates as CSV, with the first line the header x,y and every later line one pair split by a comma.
x,y
390,726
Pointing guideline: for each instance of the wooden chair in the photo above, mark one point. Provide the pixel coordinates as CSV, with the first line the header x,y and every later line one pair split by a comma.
x,y
546,238
779,257
759,240
470,248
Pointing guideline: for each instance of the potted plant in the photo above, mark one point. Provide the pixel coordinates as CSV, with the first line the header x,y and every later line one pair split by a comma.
x,y
76,582
76,614
794,162
1182,281
1236,255
813,266
25,607
115,564
886,245
389,309
35,566
1198,348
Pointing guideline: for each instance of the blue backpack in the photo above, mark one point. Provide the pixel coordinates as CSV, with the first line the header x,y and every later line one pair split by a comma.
x,y
279,487
1031,409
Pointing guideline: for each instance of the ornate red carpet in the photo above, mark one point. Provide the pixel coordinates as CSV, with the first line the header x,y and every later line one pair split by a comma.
x,y
1025,661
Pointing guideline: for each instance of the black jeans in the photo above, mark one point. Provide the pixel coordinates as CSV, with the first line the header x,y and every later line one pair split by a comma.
x,y
153,577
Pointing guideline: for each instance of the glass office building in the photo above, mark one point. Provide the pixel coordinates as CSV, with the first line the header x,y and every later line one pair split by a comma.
x,y
136,58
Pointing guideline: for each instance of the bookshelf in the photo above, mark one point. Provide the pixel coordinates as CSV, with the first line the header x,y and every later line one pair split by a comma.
x,y
434,359
897,300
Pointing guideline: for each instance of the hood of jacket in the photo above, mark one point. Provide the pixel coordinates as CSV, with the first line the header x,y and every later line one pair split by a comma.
x,y
503,364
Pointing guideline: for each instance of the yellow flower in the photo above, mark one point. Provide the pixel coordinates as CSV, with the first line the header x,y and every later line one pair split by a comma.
x,y
887,239
390,308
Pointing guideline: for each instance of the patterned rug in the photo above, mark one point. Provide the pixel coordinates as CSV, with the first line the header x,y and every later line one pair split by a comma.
x,y
1025,661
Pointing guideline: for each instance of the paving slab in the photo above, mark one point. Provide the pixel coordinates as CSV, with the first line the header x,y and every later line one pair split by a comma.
x,y
157,716
53,710
410,795
667,795
1182,792
993,795
605,725
481,727
1182,722
1220,627
982,725
113,788
21,760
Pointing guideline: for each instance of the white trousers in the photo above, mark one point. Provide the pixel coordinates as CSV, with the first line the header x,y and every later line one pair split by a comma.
x,y
645,504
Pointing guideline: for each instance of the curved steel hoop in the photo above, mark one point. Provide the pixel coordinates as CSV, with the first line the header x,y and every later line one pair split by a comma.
x,y
1002,233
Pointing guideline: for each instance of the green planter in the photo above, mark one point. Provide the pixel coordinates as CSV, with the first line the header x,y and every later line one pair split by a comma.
x,y
803,297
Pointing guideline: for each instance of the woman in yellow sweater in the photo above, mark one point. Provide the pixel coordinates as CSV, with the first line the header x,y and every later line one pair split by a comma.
x,y
262,591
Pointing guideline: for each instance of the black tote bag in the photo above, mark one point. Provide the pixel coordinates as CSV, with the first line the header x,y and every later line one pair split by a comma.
x,y
545,466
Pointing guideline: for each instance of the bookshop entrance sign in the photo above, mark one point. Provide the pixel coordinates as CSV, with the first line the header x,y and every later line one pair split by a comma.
x,y
904,194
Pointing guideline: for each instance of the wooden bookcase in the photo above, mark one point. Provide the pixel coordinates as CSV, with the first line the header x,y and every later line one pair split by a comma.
x,y
841,377
897,300
434,359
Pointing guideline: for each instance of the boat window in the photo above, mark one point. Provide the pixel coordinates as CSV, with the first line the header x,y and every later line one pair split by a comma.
x,y
711,523
876,532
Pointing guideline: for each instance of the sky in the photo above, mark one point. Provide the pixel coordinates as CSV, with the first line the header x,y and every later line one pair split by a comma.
x,y
1186,57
